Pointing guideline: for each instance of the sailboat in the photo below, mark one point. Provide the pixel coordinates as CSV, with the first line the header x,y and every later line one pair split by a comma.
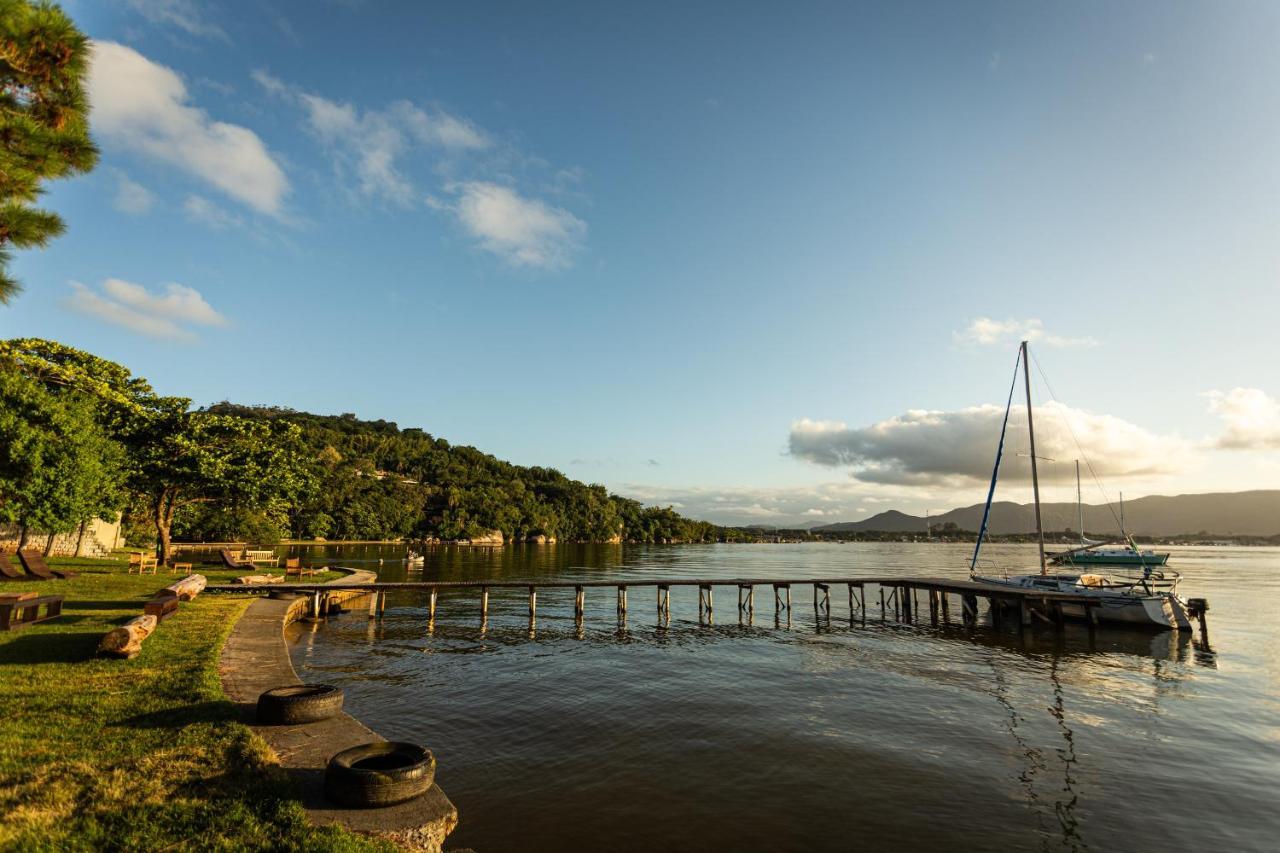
x,y
1149,599
1089,553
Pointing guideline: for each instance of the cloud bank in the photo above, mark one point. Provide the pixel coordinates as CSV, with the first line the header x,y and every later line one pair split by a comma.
x,y
144,107
1251,419
954,449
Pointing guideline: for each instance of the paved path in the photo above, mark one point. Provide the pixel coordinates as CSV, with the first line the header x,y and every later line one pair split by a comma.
x,y
255,659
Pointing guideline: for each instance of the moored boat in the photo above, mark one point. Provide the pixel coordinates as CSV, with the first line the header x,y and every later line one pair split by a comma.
x,y
1148,598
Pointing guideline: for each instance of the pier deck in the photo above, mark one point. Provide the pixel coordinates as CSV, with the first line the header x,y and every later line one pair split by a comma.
x,y
898,594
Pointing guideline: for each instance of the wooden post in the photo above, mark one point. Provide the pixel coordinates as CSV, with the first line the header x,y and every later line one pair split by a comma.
x,y
1024,612
533,603
942,597
788,587
933,607
484,603
704,601
881,602
382,601
622,601
373,604
822,606
579,602
969,606
431,606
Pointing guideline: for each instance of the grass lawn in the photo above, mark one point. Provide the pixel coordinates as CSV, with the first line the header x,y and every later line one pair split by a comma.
x,y
138,754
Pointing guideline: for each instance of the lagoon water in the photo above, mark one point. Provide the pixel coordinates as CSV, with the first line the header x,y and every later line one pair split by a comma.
x,y
815,736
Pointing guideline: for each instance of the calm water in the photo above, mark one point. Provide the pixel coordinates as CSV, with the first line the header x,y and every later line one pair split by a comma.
x,y
816,737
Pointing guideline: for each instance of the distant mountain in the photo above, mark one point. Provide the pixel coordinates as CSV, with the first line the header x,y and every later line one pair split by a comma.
x,y
1255,513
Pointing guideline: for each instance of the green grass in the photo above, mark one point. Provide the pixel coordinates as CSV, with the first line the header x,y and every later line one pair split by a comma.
x,y
138,754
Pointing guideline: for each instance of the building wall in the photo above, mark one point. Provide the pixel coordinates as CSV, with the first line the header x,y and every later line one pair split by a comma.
x,y
100,537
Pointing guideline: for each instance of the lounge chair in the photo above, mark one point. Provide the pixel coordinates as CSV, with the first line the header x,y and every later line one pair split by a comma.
x,y
8,571
33,562
232,563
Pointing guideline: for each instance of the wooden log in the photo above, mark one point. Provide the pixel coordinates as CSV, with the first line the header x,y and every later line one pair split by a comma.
x,y
187,588
126,640
257,580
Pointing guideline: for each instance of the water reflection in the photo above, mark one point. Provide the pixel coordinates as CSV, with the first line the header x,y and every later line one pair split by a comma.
x,y
1011,739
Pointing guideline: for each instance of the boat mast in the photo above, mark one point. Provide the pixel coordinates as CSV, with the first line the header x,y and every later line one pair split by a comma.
x,y
1035,475
1079,503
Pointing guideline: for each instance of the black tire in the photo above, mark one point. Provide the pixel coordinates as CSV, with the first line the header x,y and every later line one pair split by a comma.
x,y
298,704
374,775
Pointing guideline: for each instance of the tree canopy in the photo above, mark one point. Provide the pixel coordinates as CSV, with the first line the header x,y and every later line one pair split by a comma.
x,y
58,466
44,130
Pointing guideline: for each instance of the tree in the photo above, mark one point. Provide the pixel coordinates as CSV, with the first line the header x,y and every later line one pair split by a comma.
x,y
58,468
181,458
44,129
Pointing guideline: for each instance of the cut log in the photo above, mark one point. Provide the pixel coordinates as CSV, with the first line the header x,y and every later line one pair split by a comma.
x,y
185,589
162,606
253,580
126,641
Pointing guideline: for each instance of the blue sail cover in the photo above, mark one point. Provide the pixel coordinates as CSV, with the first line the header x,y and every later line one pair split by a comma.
x,y
995,471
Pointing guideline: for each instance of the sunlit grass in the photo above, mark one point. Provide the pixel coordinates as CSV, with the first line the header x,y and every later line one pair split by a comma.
x,y
136,754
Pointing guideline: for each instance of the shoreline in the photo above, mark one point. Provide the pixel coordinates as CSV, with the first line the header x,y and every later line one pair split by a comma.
x,y
255,658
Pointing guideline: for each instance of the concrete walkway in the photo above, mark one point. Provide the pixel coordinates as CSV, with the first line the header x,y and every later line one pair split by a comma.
x,y
255,659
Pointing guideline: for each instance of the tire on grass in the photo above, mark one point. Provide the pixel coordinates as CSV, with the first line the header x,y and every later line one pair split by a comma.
x,y
298,704
379,774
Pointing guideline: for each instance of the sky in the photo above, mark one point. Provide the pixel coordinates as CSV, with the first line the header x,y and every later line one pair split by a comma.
x,y
768,263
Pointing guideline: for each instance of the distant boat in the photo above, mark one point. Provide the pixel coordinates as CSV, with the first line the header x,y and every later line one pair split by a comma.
x,y
1149,599
1092,554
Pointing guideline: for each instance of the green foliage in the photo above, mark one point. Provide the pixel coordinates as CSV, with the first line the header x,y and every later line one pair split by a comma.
x,y
44,131
376,481
181,458
58,467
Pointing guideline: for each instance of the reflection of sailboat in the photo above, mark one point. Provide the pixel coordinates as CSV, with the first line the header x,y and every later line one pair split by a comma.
x,y
1149,599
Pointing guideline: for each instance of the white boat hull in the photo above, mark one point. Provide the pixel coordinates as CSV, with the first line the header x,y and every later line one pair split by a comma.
x,y
1162,609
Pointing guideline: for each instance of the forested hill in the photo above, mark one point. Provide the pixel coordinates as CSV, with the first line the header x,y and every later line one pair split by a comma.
x,y
377,481
1253,513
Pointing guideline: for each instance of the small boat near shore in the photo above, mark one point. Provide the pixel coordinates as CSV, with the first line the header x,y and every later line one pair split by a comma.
x,y
1148,597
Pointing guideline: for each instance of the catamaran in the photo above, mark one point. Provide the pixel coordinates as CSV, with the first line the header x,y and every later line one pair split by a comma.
x,y
1149,598
1090,553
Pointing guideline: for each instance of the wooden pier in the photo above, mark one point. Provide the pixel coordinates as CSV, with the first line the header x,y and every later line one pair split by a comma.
x,y
899,598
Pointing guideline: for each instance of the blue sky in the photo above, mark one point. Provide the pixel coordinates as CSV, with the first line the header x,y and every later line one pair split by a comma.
x,y
767,261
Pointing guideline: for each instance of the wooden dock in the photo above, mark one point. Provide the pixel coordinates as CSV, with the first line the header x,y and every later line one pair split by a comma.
x,y
899,598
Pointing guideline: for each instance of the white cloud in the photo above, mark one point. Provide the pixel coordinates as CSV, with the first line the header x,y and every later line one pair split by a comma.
x,y
144,107
132,197
985,331
955,449
200,209
159,315
182,14
1251,419
370,144
525,232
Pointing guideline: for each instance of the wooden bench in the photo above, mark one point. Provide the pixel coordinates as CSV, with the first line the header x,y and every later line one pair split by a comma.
x,y
161,607
142,562
264,557
27,610
177,567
